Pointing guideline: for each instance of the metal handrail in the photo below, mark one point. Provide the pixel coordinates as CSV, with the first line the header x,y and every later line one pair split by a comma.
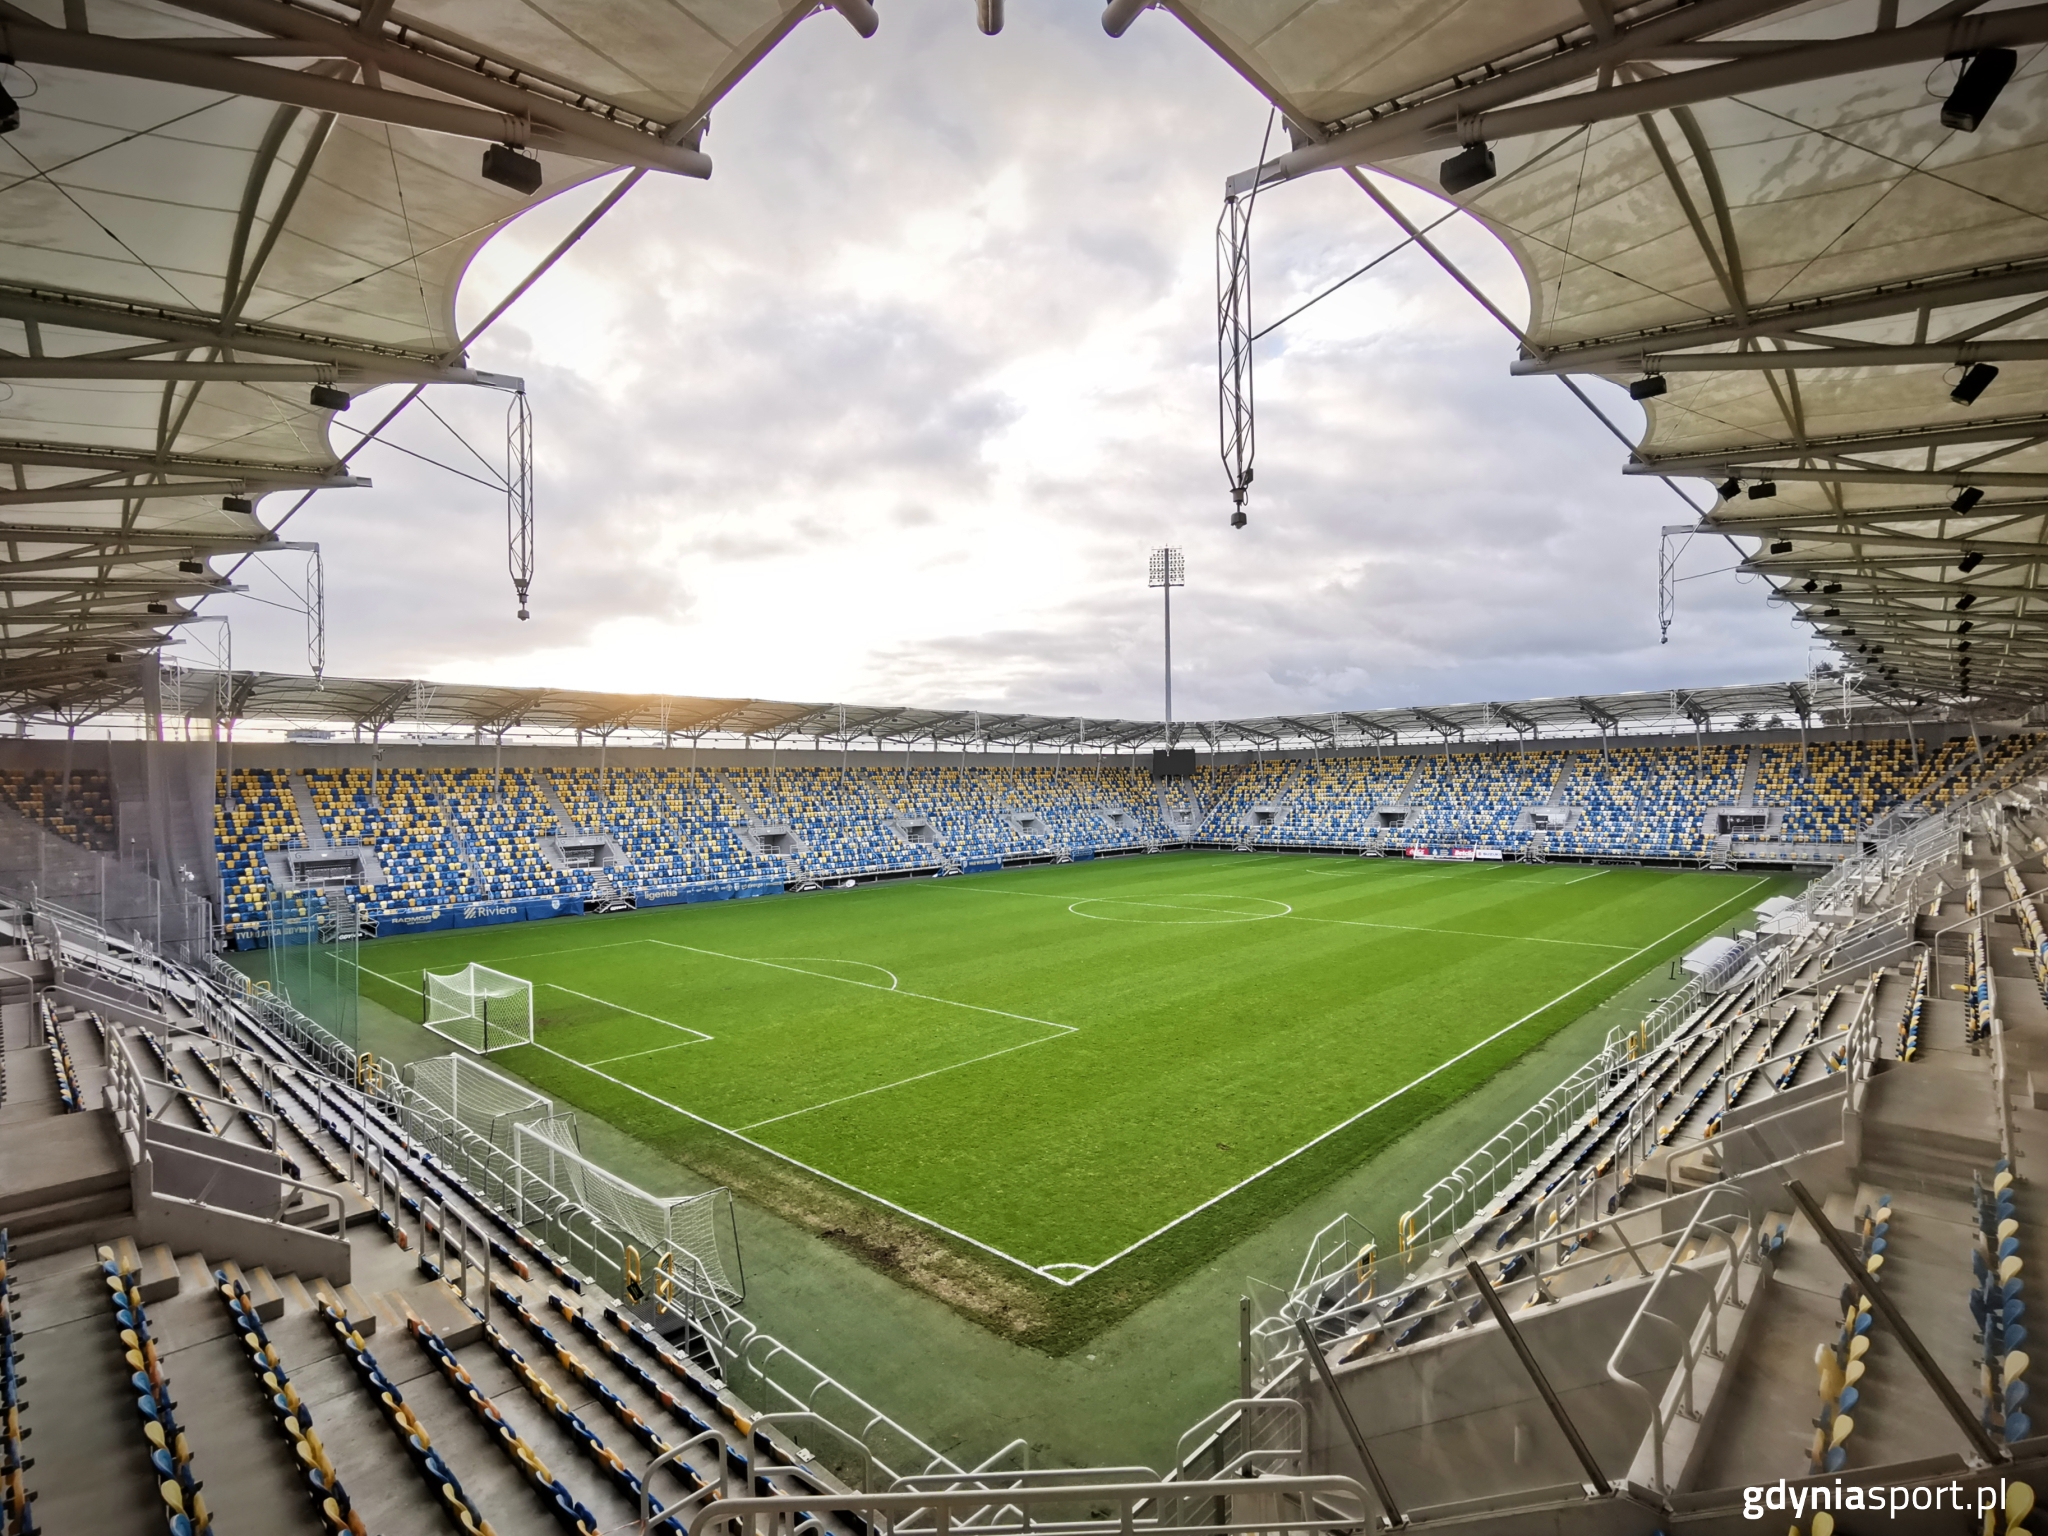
x,y
1687,1358
761,1516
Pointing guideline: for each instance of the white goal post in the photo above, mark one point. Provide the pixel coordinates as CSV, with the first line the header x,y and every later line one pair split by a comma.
x,y
478,1007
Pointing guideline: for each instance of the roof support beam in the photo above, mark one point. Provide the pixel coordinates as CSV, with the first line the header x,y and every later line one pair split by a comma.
x,y
394,371
186,329
1950,355
2013,429
1975,285
250,472
518,117
1445,124
168,541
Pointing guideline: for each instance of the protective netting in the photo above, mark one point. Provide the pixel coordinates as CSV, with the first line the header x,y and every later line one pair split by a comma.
x,y
477,1097
483,1009
683,1225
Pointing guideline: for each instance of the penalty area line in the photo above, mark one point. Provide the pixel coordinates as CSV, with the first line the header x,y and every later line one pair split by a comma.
x,y
902,1081
817,1173
1352,1120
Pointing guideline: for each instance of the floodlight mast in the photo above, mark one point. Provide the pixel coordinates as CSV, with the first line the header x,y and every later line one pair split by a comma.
x,y
1168,569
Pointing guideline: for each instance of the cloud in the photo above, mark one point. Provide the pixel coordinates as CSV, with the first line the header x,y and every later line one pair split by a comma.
x,y
892,408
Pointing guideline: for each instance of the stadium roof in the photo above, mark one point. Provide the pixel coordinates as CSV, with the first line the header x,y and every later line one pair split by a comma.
x,y
213,206
1789,214
398,709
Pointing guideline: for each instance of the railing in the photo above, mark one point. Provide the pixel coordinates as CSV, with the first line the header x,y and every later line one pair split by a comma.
x,y
1210,1508
128,1098
1697,1343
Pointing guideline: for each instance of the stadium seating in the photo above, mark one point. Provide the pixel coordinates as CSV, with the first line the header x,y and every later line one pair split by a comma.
x,y
78,806
254,813
449,836
1649,800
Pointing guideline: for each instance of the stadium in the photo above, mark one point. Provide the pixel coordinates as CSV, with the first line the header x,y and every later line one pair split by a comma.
x,y
499,1089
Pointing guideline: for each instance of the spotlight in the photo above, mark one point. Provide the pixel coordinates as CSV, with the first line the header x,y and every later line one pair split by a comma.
x,y
1877,650
1966,498
1975,380
1848,629
1647,387
1763,490
328,398
237,504
1782,547
113,656
1831,588
1237,518
192,567
1977,88
10,113
1730,489
159,608
1971,560
1831,613
1966,626
1809,585
1962,645
1466,169
509,168
1965,601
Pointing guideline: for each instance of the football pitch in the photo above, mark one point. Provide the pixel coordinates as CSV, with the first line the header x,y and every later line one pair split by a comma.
x,y
1061,1065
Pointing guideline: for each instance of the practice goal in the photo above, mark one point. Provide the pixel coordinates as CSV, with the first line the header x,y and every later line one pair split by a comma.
x,y
478,1007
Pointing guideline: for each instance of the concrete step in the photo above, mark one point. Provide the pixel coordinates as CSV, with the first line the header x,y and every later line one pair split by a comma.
x,y
159,1271
360,1314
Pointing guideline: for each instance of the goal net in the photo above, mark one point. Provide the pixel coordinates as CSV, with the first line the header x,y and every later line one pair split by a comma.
x,y
476,1006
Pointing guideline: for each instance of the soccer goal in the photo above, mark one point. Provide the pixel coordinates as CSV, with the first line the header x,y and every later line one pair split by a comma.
x,y
483,1009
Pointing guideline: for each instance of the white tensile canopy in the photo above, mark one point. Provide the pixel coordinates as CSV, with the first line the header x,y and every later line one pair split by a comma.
x,y
1760,205
213,206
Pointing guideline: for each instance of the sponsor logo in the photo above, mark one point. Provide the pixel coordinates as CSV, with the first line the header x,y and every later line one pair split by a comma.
x,y
491,909
414,919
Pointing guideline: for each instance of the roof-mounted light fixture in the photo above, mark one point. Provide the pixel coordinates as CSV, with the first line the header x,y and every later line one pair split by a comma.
x,y
1782,547
1966,626
860,14
988,15
1965,601
1975,380
1470,167
1970,561
1831,588
1809,585
1729,489
328,398
1966,498
10,112
1977,88
1763,490
1648,387
509,168
237,504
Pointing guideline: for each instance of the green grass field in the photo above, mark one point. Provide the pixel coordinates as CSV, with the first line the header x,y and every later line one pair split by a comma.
x,y
1063,1067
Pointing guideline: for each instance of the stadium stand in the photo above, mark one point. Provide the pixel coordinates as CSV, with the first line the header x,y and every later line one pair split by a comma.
x,y
78,807
1695,1170
447,837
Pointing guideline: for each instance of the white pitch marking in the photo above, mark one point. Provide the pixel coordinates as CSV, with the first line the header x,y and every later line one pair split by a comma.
x,y
901,1081
1462,933
894,984
1221,913
865,1194
776,965
1432,1072
1593,876
622,1008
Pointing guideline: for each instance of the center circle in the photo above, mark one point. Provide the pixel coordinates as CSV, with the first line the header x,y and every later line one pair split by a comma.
x,y
1186,911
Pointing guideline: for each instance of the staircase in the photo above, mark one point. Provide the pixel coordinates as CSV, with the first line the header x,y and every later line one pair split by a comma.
x,y
1567,770
309,816
1752,762
545,788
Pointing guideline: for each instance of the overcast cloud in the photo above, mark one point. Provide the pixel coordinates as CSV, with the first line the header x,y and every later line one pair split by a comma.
x,y
892,408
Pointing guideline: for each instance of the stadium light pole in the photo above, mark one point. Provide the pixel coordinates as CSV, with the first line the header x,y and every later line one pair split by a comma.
x,y
1168,569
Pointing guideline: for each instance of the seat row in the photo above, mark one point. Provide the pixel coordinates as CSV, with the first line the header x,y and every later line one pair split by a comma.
x,y
1843,1362
170,1458
1997,1307
70,1093
17,1512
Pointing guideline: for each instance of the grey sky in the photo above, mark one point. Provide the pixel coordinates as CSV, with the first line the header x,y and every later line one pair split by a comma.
x,y
892,408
